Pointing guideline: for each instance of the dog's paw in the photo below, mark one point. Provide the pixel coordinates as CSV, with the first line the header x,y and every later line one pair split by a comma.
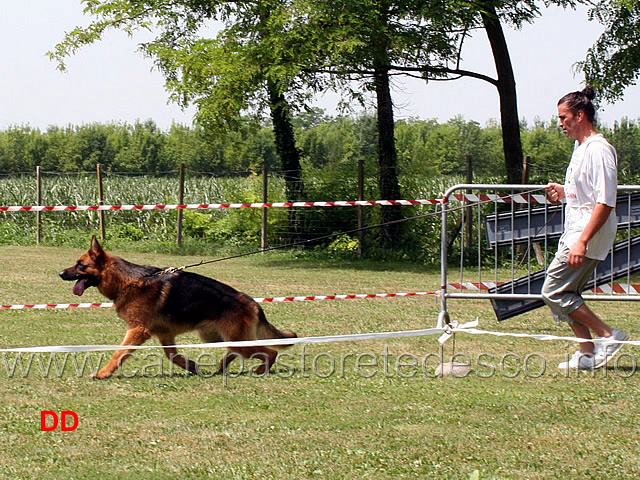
x,y
101,375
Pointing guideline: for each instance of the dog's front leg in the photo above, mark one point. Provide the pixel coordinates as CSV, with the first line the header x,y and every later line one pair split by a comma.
x,y
134,336
173,355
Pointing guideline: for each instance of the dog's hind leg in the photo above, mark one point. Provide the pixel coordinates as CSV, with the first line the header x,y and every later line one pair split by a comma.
x,y
226,360
177,358
267,355
209,334
242,325
134,336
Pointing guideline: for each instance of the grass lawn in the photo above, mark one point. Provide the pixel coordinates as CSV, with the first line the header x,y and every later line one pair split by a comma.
x,y
352,410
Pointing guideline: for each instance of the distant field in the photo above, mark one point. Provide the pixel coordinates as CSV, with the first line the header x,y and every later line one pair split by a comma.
x,y
82,189
353,410
227,228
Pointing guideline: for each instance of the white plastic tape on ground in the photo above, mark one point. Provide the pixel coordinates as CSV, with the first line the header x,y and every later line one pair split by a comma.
x,y
446,332
249,343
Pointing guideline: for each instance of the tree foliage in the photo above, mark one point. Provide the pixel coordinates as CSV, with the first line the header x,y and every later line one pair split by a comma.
x,y
275,54
328,146
138,148
241,68
613,63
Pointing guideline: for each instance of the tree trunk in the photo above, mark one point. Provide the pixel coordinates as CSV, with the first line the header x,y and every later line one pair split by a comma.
x,y
288,153
507,92
387,160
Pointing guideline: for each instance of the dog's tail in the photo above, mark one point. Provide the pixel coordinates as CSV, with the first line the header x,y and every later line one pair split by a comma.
x,y
267,330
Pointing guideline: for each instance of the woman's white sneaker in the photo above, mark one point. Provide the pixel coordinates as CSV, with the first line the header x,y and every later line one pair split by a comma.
x,y
605,351
579,361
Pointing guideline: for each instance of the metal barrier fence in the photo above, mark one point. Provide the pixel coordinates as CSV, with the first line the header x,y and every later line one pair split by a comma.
x,y
501,239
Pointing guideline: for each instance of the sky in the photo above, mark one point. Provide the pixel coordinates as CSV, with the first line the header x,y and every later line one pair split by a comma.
x,y
111,81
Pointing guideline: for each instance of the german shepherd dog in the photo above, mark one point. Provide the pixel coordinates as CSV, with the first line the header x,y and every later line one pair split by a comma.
x,y
169,304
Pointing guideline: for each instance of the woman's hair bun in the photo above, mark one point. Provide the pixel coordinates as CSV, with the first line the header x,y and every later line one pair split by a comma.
x,y
589,92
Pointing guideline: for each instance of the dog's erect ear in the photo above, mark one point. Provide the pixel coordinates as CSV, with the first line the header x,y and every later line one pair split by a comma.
x,y
96,250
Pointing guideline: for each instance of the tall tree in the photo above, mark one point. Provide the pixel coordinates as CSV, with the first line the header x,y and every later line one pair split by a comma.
x,y
490,15
365,41
269,53
387,158
409,37
238,71
506,85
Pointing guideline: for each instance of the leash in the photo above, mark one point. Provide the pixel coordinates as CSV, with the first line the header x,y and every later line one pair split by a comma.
x,y
169,270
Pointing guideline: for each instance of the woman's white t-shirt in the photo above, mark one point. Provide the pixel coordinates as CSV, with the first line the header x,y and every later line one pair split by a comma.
x,y
591,178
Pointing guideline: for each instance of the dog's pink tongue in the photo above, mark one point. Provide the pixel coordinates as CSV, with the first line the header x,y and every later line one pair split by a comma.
x,y
79,287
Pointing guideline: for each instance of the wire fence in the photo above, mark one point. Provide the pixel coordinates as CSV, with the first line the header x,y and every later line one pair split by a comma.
x,y
246,227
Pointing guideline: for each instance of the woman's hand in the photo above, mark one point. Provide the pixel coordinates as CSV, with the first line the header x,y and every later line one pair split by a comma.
x,y
555,192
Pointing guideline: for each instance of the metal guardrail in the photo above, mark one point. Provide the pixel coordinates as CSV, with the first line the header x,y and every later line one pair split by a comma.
x,y
517,233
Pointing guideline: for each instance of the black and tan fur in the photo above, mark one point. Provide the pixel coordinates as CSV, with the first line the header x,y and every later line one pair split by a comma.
x,y
169,304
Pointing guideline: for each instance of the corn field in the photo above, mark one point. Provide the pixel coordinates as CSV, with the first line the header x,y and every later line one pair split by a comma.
x,y
228,227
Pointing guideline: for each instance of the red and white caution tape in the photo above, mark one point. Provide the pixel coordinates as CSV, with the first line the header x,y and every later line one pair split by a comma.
x,y
617,288
471,286
81,208
44,306
518,198
342,297
513,198
602,289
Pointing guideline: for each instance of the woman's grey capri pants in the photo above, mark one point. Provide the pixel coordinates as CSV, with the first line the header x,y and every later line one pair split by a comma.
x,y
562,289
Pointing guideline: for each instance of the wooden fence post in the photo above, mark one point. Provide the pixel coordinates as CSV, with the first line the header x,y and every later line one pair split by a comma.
x,y
38,202
263,232
468,213
360,207
180,202
100,202
525,170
